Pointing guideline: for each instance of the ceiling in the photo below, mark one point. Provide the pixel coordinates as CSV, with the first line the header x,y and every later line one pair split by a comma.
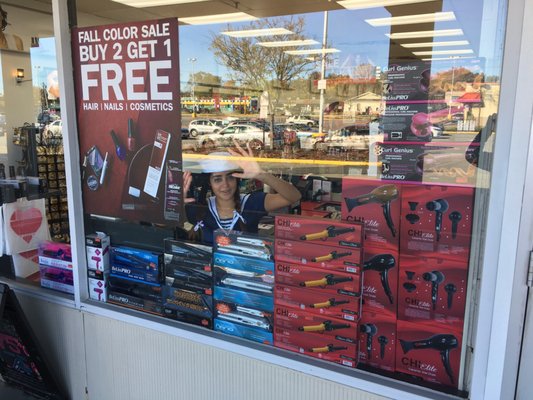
x,y
117,12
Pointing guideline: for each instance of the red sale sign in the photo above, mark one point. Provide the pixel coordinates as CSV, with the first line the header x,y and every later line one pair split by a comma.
x,y
127,94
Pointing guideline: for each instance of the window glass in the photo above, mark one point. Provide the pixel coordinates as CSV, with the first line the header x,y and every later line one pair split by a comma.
x,y
32,165
382,115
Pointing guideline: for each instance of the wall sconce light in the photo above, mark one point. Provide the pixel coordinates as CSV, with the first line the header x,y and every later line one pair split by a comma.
x,y
20,75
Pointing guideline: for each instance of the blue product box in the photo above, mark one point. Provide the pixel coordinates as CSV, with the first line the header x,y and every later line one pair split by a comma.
x,y
244,244
246,332
143,265
264,302
251,265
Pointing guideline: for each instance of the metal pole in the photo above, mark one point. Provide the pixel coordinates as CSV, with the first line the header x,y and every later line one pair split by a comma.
x,y
323,72
192,60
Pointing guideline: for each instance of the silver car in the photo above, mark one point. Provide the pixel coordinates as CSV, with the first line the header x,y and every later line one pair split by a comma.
x,y
242,133
203,126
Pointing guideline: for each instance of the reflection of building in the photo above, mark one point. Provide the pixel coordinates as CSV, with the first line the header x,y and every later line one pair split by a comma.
x,y
362,103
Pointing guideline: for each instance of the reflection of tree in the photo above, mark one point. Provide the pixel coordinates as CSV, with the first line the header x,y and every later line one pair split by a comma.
x,y
266,68
205,79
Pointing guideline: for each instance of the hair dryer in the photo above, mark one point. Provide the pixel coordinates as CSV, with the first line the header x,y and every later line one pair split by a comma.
x,y
370,330
382,263
442,343
435,277
382,195
439,206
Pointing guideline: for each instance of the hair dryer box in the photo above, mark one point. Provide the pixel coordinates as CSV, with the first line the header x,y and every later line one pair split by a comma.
x,y
318,279
318,301
432,289
377,339
98,284
319,231
380,279
326,348
97,246
437,221
319,256
429,350
376,204
304,322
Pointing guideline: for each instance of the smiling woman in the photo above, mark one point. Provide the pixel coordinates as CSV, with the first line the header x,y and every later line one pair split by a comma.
x,y
227,208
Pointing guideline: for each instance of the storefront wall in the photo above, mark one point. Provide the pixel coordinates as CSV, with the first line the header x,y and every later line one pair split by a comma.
x,y
132,357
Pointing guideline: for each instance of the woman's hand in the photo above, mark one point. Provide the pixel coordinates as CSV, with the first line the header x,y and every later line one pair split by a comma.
x,y
187,181
245,160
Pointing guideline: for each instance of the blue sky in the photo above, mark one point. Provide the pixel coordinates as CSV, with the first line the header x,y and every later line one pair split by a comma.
x,y
358,41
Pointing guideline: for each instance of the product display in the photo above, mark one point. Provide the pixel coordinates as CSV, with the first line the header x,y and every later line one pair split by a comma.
x,y
243,285
444,224
319,231
375,204
335,305
188,290
137,264
385,267
431,351
377,339
97,248
435,291
245,245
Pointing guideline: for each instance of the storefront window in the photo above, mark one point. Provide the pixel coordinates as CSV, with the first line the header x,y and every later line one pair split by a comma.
x,y
32,169
381,116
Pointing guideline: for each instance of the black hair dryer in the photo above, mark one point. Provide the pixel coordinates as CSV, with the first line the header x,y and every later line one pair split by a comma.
x,y
370,330
382,263
382,195
439,206
442,343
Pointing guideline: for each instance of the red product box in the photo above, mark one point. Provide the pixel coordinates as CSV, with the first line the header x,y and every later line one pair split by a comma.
x,y
432,289
380,279
318,302
327,348
437,221
305,322
376,204
319,231
430,351
377,339
318,279
317,256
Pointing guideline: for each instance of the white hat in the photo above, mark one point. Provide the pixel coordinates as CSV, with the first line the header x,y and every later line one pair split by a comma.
x,y
217,164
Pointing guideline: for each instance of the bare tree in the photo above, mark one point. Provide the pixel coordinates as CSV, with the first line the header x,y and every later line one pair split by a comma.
x,y
266,68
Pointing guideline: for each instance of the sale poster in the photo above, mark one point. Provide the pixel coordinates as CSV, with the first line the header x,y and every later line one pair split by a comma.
x,y
127,99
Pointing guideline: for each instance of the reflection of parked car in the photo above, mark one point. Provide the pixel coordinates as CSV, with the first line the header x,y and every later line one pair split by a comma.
x,y
203,126
184,133
242,133
261,124
54,128
302,119
354,137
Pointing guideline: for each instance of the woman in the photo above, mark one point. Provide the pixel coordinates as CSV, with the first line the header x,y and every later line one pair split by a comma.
x,y
227,208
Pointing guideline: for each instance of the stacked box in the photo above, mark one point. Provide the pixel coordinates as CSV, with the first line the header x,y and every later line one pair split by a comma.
x,y
415,268
135,279
97,248
243,271
55,266
188,289
318,287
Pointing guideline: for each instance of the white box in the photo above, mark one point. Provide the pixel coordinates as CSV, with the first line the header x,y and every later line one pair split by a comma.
x,y
97,247
97,286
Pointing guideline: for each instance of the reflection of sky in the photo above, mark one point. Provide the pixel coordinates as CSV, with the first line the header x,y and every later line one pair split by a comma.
x,y
43,60
347,31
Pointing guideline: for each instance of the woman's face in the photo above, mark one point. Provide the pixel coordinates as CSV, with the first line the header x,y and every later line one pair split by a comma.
x,y
223,184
